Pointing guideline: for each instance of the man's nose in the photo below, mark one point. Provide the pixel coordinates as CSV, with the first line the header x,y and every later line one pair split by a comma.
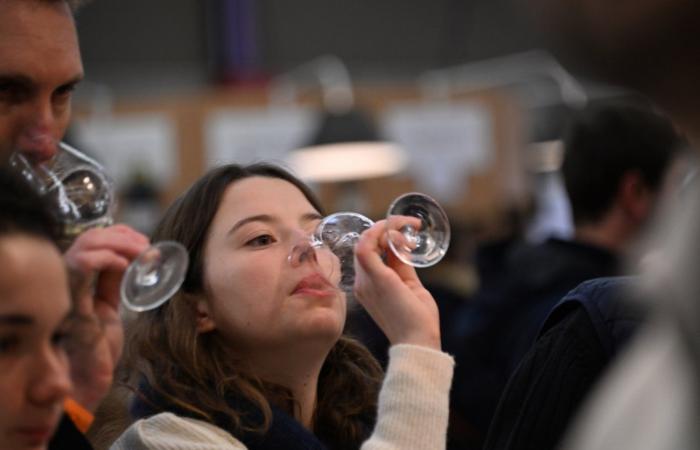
x,y
36,140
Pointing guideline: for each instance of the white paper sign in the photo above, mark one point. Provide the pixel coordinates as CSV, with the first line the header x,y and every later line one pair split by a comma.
x,y
248,135
143,143
445,142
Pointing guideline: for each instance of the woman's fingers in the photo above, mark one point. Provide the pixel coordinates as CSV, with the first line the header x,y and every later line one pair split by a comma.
x,y
392,294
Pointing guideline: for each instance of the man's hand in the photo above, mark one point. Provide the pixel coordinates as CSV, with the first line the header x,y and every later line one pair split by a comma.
x,y
97,260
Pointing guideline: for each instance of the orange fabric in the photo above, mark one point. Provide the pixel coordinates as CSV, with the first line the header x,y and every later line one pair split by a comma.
x,y
81,417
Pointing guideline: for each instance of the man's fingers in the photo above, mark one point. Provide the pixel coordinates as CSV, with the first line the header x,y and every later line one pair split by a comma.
x,y
118,238
98,261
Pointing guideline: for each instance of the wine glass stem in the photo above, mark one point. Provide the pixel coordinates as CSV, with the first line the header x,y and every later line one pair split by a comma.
x,y
148,277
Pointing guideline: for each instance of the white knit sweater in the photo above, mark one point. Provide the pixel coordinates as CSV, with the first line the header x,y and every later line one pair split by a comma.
x,y
413,412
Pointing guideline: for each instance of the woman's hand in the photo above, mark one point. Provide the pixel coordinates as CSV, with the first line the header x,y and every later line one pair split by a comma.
x,y
392,294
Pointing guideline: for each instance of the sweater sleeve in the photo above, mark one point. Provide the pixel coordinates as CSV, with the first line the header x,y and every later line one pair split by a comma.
x,y
167,431
414,400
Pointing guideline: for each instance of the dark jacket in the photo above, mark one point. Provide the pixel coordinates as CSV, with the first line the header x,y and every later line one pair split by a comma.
x,y
577,342
535,279
539,277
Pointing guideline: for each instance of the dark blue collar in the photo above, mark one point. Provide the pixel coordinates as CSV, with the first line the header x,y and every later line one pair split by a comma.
x,y
284,432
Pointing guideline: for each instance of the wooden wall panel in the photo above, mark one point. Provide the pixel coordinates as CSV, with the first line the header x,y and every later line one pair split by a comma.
x,y
486,195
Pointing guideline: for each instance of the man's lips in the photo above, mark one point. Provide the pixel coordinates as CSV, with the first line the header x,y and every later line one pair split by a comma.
x,y
316,285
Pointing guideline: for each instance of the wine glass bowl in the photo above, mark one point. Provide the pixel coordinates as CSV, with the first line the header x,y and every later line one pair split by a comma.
x,y
340,232
342,229
88,194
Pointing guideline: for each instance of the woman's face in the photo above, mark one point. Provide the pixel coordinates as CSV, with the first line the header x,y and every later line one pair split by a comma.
x,y
258,299
34,373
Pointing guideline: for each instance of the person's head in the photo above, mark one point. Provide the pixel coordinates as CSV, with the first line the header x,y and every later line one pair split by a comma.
x,y
34,303
246,313
617,155
648,45
39,67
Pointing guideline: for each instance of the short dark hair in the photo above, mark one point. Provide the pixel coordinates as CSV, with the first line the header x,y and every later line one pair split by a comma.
x,y
22,210
607,140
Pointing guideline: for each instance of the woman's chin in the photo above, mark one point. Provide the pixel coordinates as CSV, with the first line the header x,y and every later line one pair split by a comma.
x,y
324,325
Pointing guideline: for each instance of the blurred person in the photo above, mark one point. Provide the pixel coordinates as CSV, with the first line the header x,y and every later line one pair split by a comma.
x,y
651,400
34,316
40,66
593,323
250,352
615,159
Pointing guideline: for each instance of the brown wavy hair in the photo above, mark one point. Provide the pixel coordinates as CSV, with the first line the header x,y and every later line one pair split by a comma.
x,y
197,372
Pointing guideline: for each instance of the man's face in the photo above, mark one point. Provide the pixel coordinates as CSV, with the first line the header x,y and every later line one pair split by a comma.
x,y
631,42
39,67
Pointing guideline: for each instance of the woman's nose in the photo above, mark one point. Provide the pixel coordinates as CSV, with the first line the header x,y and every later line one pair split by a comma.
x,y
303,251
50,381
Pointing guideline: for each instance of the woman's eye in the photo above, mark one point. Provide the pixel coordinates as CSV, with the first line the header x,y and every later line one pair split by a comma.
x,y
59,338
9,344
261,241
11,92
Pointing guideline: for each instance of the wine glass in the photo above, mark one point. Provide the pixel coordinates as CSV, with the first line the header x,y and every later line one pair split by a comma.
x,y
418,232
84,196
78,188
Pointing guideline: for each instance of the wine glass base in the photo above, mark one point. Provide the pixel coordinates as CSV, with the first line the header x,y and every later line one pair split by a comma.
x,y
154,276
418,230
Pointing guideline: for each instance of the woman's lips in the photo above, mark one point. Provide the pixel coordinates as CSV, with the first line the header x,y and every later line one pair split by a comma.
x,y
314,285
36,435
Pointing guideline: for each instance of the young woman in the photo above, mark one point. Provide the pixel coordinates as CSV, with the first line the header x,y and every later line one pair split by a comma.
x,y
250,353
34,307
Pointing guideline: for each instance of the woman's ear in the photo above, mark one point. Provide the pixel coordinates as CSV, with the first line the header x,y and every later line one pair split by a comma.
x,y
205,322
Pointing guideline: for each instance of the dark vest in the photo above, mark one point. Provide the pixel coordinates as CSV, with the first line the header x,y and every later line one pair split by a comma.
x,y
605,301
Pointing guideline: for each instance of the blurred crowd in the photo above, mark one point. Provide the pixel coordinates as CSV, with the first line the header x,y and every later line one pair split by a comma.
x,y
582,341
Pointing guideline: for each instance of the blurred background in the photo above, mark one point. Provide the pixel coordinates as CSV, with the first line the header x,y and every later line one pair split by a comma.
x,y
472,109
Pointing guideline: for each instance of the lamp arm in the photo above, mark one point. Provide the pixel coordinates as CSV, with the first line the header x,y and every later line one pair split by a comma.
x,y
327,72
503,71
